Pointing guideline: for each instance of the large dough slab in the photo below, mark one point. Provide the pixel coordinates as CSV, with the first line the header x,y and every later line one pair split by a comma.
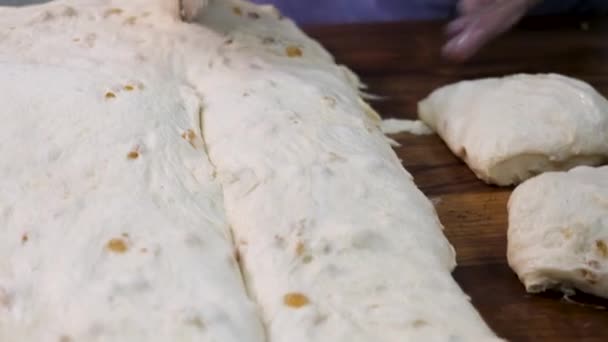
x,y
336,242
509,129
112,197
558,231
112,227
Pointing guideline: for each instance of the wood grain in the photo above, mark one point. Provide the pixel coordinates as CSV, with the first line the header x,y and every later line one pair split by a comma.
x,y
401,61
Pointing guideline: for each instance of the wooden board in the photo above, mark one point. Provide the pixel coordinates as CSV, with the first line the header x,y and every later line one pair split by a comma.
x,y
402,61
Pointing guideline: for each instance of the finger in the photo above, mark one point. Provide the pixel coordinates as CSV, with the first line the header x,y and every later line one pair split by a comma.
x,y
456,26
480,27
464,45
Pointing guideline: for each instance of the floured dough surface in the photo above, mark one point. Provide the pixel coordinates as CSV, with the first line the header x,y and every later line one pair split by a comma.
x,y
509,129
143,157
112,227
336,242
558,231
369,266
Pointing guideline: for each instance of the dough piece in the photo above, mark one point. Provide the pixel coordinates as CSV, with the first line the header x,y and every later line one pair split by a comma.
x,y
558,231
397,126
112,226
509,129
336,242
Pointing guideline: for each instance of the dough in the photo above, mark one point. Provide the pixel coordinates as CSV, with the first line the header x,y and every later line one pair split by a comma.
x,y
396,126
336,242
112,225
509,129
558,231
143,157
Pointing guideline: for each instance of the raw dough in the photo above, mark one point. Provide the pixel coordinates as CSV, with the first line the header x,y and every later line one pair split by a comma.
x,y
112,226
396,126
558,231
509,129
112,200
337,243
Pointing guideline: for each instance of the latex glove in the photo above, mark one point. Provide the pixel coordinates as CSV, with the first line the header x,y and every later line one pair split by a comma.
x,y
191,8
479,22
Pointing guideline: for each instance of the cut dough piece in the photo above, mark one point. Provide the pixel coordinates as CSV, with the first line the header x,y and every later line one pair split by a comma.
x,y
336,241
337,244
396,126
509,129
558,231
112,227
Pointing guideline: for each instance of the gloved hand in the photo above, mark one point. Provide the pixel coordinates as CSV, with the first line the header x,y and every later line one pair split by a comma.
x,y
481,21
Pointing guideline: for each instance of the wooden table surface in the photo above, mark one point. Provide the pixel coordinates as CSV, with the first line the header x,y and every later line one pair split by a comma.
x,y
402,61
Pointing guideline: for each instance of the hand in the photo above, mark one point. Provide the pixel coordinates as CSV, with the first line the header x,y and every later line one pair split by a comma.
x,y
481,21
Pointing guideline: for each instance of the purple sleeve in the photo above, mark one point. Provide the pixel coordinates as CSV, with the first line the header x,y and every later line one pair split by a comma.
x,y
345,11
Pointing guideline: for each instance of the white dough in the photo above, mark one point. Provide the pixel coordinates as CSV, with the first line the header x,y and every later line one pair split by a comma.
x,y
138,149
509,129
558,231
112,227
336,242
396,126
